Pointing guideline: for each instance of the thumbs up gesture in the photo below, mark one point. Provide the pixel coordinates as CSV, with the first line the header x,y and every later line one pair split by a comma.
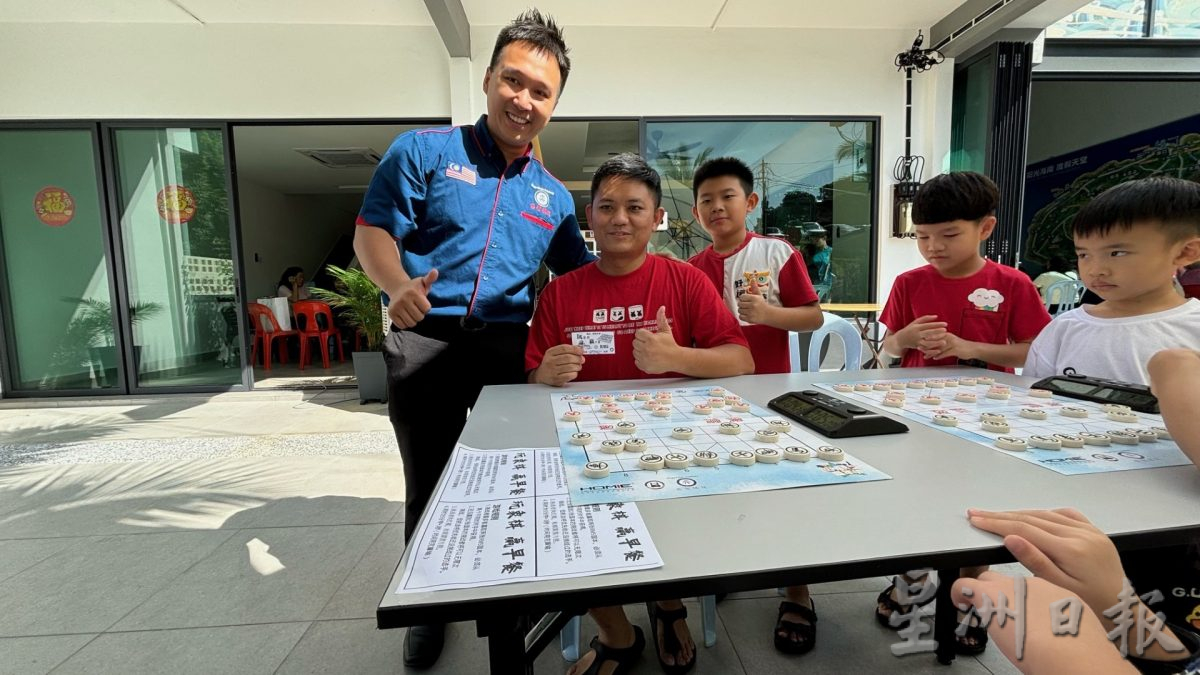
x,y
752,306
410,303
656,351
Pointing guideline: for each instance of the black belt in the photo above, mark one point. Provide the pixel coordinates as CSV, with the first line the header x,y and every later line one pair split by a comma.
x,y
470,324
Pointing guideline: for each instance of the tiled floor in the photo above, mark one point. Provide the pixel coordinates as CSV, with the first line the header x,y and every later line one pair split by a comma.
x,y
221,555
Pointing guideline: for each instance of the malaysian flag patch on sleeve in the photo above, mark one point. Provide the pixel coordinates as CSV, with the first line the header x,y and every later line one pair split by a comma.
x,y
459,172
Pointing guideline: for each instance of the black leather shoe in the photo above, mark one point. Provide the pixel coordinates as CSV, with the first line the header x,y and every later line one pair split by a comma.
x,y
423,645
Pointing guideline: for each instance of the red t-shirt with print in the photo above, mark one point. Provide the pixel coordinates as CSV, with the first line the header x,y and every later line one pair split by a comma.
x,y
783,277
997,305
602,312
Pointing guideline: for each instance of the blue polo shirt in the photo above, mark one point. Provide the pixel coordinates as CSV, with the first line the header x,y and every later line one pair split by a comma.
x,y
452,203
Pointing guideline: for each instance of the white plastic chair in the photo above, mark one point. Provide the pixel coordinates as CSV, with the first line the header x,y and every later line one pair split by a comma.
x,y
1062,296
834,325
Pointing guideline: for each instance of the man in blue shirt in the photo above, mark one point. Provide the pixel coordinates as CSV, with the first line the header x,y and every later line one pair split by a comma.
x,y
454,225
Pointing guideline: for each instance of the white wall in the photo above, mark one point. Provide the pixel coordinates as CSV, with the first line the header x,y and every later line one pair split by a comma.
x,y
697,72
296,71
187,71
285,230
1066,116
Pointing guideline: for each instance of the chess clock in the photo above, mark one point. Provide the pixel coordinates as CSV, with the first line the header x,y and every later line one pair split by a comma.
x,y
834,417
1073,385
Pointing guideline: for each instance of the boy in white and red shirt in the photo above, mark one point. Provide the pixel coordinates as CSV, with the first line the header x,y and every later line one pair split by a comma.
x,y
630,315
763,280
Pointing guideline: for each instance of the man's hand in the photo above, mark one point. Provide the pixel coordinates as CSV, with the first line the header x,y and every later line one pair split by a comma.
x,y
560,365
752,306
654,351
1062,547
409,303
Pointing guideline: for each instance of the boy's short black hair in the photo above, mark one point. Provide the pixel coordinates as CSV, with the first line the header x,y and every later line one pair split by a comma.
x,y
540,31
1171,204
961,195
629,166
724,166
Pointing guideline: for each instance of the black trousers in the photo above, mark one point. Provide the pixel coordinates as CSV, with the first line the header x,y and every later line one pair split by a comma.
x,y
429,407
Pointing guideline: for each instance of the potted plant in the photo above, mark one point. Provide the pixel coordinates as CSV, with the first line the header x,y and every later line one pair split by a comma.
x,y
92,326
360,306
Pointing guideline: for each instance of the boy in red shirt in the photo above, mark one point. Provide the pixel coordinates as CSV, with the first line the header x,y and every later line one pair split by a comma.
x,y
764,282
630,315
959,309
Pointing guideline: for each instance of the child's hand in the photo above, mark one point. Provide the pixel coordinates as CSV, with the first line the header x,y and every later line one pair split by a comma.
x,y
1168,363
1042,650
911,335
942,344
752,306
654,351
560,365
1063,547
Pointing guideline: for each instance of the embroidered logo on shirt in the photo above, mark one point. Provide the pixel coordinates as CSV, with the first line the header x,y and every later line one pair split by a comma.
x,y
542,196
986,300
459,172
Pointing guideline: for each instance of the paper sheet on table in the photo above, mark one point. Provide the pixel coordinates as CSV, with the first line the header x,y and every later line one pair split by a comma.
x,y
504,516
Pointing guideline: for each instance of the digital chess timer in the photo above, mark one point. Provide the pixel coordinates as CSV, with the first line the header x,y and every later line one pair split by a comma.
x,y
833,417
1073,385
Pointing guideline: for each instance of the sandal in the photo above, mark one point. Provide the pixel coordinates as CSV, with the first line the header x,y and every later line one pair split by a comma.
x,y
801,637
670,642
974,640
894,607
624,657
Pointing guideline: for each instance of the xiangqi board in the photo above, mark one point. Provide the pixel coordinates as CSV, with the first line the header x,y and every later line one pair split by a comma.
x,y
680,442
1062,434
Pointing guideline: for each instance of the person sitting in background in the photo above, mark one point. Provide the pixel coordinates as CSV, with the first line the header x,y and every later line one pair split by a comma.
x,y
291,285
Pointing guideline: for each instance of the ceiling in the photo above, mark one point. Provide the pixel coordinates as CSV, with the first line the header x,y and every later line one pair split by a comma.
x,y
671,13
267,154
366,12
723,13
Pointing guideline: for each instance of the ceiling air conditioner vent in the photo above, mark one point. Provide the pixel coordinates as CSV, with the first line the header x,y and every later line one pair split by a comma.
x,y
341,158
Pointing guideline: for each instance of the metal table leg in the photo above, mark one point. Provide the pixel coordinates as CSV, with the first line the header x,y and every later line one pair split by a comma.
x,y
506,645
514,642
945,617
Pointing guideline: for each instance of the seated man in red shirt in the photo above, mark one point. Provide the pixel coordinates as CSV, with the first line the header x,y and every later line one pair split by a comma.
x,y
631,315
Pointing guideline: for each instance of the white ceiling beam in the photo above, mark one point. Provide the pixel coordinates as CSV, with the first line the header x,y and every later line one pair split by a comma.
x,y
452,24
976,23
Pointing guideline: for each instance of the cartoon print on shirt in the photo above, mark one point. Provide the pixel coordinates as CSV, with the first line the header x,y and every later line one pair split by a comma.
x,y
760,277
986,299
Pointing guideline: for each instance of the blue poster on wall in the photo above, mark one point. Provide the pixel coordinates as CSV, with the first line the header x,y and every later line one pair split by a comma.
x,y
1057,188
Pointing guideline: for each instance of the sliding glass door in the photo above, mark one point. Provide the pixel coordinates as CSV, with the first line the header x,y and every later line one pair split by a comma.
x,y
56,292
173,209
